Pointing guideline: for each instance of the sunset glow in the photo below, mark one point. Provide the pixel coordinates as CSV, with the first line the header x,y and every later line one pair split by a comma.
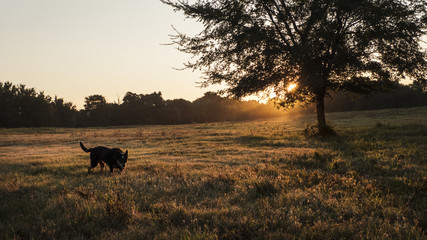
x,y
291,87
74,49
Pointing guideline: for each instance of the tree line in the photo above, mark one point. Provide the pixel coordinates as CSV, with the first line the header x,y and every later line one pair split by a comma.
x,y
400,96
26,107
137,109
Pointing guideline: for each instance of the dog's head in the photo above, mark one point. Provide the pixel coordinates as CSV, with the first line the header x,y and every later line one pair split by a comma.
x,y
121,158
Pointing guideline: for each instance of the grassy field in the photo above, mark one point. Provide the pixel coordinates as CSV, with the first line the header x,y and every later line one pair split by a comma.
x,y
234,180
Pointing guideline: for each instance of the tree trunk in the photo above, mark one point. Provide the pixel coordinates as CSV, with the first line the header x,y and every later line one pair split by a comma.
x,y
320,110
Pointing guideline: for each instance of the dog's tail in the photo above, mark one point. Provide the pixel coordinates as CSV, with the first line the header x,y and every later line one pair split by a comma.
x,y
84,148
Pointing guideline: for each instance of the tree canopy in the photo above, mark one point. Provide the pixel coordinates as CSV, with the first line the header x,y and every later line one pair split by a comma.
x,y
318,45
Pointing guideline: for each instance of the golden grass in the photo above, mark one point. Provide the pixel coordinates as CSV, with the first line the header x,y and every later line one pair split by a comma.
x,y
235,180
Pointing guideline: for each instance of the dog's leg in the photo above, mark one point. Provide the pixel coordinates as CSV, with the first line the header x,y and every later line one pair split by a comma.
x,y
93,163
102,166
120,166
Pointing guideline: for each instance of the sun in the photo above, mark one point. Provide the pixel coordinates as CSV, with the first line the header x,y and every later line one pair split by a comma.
x,y
272,95
291,87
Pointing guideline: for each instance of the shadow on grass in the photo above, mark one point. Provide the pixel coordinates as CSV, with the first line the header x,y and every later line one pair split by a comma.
x,y
59,203
260,141
19,208
251,140
70,171
43,168
390,156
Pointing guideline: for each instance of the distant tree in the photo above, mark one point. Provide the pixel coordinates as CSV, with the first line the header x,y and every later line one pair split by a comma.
x,y
400,97
34,108
214,108
210,108
319,45
9,109
143,108
24,107
96,111
65,113
94,102
419,86
132,109
179,111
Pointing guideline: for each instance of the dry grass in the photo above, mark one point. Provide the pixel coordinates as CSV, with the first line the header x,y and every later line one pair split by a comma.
x,y
241,180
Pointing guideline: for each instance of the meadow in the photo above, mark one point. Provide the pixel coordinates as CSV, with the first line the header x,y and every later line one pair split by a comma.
x,y
260,179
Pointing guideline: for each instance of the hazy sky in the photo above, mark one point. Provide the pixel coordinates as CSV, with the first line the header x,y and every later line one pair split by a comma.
x,y
77,48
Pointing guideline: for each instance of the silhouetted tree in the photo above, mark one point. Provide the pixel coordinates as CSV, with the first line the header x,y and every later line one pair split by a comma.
x,y
34,108
210,108
94,102
65,113
9,109
155,106
320,45
96,111
179,111
214,108
24,107
399,97
143,108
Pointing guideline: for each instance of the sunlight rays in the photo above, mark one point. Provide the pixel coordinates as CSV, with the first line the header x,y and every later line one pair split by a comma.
x,y
291,87
275,93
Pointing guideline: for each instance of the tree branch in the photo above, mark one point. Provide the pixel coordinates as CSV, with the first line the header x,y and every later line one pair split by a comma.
x,y
291,18
276,26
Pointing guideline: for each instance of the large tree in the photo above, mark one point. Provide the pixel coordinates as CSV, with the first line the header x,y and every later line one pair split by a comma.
x,y
315,45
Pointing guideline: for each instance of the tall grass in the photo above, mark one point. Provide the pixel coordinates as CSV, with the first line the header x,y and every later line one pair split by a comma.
x,y
233,180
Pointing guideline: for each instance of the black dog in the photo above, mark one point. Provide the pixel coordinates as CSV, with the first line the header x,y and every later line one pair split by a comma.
x,y
113,157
